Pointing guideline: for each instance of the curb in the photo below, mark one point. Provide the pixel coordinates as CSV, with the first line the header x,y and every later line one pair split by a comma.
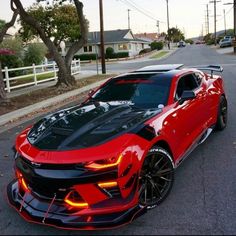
x,y
17,114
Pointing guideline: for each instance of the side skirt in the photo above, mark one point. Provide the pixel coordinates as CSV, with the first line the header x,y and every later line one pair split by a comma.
x,y
201,139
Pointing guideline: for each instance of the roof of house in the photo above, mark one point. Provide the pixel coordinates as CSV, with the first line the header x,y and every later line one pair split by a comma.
x,y
149,36
112,36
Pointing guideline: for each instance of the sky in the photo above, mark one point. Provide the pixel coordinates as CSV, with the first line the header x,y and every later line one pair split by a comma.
x,y
188,15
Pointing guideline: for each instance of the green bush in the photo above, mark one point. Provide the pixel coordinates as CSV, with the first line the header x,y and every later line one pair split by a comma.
x,y
189,41
35,53
85,57
122,54
109,52
146,50
12,61
210,42
157,45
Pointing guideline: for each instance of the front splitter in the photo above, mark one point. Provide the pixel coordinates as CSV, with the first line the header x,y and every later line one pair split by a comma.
x,y
37,211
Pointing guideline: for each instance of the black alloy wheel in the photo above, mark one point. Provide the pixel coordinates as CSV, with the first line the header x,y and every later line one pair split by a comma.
x,y
156,177
222,114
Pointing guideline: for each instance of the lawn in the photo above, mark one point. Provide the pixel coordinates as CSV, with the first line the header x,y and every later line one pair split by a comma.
x,y
30,78
159,55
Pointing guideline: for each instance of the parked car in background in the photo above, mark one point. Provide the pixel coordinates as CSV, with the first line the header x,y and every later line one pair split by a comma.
x,y
226,42
181,44
229,37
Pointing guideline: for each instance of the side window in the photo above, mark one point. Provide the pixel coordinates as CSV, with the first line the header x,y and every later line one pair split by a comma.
x,y
199,77
187,82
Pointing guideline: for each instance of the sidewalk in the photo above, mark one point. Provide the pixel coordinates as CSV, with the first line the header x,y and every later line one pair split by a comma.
x,y
226,50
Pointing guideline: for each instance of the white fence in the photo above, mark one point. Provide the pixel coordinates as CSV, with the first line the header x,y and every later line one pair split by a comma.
x,y
33,75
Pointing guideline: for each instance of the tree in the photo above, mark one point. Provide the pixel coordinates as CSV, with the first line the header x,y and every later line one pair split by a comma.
x,y
157,45
35,53
175,35
3,29
109,52
64,64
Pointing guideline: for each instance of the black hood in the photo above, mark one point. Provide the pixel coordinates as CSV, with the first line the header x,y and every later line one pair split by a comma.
x,y
87,125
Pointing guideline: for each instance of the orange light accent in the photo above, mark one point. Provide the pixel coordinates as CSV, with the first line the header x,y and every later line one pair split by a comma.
x,y
22,182
77,204
108,184
24,185
97,166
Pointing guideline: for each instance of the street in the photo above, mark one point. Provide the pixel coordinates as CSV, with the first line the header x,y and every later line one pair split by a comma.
x,y
203,198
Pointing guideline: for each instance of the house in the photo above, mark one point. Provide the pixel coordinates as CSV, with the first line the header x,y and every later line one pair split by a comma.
x,y
147,36
119,40
151,36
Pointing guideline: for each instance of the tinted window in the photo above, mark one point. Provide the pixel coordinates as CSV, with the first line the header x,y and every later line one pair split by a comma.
x,y
187,82
143,91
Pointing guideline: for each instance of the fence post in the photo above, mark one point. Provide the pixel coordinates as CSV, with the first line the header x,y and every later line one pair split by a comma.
x,y
54,69
7,79
79,65
35,75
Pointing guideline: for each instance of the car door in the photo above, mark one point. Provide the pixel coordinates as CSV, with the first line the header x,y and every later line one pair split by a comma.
x,y
187,117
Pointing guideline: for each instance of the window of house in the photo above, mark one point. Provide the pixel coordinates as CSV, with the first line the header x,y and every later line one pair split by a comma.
x,y
88,49
122,47
130,46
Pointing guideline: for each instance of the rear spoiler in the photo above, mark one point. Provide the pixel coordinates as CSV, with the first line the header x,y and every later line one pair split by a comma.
x,y
212,68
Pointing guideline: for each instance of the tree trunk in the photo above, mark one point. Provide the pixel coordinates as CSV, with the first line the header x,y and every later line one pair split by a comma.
x,y
3,95
64,74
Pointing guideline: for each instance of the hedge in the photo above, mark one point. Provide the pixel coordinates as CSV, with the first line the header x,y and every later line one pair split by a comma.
x,y
157,45
85,57
88,57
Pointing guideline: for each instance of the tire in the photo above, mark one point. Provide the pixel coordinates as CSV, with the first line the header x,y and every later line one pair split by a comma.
x,y
222,116
156,178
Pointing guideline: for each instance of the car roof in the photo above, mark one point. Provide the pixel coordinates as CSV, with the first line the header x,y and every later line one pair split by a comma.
x,y
160,68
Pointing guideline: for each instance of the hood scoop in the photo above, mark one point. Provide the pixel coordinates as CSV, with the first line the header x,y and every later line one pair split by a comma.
x,y
86,126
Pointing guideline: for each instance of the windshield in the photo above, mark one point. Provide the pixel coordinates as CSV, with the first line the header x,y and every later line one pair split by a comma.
x,y
145,91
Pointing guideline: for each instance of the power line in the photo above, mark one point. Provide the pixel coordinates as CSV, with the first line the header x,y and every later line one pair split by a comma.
x,y
143,9
130,4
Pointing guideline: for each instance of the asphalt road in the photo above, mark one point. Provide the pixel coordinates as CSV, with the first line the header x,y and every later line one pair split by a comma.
x,y
203,199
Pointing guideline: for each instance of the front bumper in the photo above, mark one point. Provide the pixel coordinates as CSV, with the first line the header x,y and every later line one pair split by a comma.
x,y
56,214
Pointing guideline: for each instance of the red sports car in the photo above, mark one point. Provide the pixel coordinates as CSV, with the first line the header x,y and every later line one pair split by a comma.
x,y
103,163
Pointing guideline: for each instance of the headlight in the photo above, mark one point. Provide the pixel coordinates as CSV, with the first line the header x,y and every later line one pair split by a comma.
x,y
105,163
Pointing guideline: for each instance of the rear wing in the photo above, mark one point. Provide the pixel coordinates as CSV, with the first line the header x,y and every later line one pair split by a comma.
x,y
211,68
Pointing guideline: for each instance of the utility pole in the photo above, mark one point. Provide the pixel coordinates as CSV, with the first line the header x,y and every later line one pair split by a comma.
x,y
129,19
234,41
158,27
208,22
225,22
168,18
102,38
215,2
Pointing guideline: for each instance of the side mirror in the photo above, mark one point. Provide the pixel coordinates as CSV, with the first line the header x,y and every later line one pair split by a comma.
x,y
186,96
